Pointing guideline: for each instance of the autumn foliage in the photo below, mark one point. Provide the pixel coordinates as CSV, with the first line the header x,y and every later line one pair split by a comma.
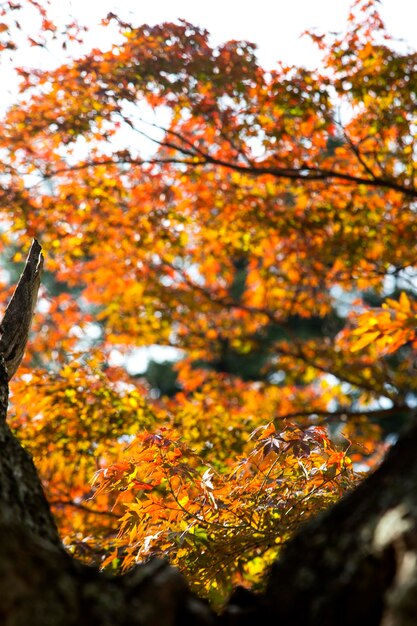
x,y
260,222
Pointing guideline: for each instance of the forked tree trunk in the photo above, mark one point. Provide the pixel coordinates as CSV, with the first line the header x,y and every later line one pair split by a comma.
x,y
356,564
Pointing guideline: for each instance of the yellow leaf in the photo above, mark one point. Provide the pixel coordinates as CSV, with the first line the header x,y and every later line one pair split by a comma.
x,y
405,302
365,340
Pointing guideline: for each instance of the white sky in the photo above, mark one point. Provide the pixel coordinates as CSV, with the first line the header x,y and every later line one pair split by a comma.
x,y
275,25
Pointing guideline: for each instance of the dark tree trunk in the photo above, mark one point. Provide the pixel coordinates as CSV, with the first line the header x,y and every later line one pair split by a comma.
x,y
356,564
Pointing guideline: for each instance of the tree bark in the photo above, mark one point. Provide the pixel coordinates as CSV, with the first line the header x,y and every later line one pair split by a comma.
x,y
355,564
15,325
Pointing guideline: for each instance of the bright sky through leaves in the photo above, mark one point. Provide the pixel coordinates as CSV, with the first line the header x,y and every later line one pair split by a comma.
x,y
275,26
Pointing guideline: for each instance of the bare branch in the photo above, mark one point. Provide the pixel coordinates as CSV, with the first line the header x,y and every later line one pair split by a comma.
x,y
328,416
303,173
82,507
15,326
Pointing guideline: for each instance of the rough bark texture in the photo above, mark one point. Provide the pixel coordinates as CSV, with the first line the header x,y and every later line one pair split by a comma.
x,y
356,564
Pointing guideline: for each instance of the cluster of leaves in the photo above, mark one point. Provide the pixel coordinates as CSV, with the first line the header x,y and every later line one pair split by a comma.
x,y
71,421
221,526
261,236
218,502
390,328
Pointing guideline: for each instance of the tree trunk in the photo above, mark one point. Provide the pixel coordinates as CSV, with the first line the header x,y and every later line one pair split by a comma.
x,y
355,564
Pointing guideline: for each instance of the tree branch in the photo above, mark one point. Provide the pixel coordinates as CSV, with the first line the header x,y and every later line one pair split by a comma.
x,y
304,173
15,326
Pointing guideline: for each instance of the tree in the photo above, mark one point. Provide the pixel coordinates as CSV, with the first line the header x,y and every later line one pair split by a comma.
x,y
269,239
